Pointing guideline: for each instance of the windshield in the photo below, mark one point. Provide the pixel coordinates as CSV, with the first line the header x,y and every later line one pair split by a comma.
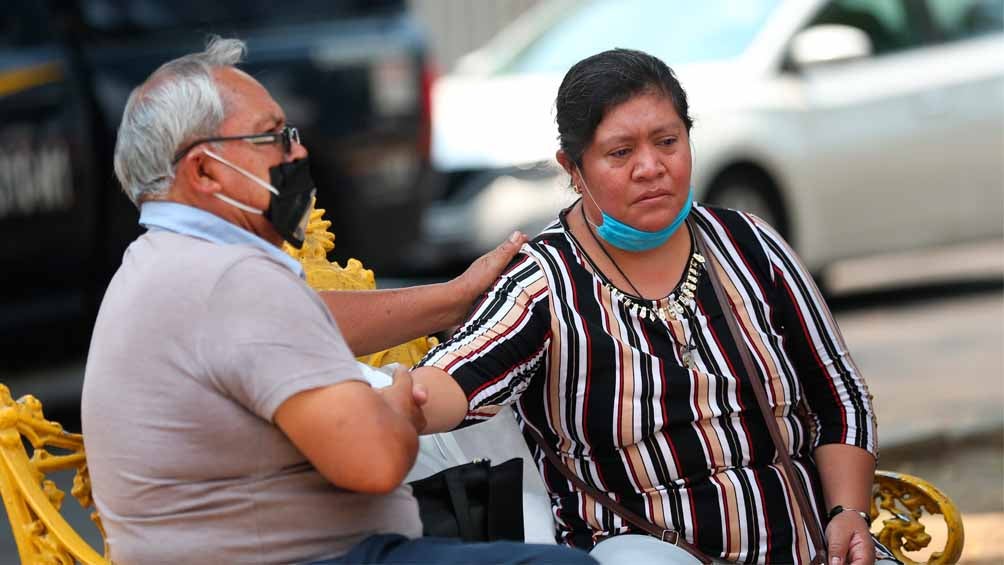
x,y
676,31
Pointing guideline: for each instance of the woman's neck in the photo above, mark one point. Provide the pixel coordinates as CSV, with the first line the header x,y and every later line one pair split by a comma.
x,y
653,273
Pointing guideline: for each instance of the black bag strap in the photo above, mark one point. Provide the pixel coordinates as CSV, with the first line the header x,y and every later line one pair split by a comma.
x,y
669,536
815,532
461,506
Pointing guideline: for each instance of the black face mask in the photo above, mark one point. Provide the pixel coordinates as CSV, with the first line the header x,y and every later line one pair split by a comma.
x,y
292,191
289,211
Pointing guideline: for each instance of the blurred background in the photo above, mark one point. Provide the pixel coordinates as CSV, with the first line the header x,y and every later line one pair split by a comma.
x,y
869,132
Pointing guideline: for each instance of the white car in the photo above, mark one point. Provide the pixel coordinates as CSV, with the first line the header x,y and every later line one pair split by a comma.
x,y
853,126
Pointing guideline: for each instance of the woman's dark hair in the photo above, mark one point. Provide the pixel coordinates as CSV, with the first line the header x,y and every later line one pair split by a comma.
x,y
596,84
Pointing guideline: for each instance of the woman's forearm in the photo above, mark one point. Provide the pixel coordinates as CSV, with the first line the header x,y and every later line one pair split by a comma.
x,y
446,405
847,473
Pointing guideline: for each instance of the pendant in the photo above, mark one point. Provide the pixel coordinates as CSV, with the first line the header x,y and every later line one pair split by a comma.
x,y
688,360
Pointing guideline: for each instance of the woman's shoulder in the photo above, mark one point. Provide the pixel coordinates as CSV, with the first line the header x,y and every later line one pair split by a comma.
x,y
554,237
738,225
734,232
719,215
548,254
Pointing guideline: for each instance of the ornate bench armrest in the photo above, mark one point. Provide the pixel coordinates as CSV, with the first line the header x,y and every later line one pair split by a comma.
x,y
902,500
32,500
322,274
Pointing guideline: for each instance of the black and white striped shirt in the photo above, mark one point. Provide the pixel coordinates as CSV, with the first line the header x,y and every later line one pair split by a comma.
x,y
607,387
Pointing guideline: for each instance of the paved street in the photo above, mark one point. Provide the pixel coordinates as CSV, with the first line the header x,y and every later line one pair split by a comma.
x,y
934,368
936,371
934,361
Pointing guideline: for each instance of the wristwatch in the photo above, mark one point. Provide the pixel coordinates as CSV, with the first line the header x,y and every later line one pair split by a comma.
x,y
838,509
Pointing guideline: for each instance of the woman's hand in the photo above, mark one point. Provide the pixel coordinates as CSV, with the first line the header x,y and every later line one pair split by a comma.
x,y
849,540
847,472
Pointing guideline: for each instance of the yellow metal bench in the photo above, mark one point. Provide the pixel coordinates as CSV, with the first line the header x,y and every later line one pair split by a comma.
x,y
32,447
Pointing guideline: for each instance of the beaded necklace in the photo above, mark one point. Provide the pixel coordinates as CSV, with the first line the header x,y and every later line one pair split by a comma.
x,y
677,307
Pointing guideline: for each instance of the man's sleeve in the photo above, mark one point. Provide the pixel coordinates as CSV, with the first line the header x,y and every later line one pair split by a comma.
x,y
503,343
270,336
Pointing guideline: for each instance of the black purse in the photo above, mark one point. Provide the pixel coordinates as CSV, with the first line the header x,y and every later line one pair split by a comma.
x,y
473,501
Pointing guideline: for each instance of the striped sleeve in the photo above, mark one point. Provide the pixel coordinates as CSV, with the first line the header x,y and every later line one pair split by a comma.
x,y
838,398
503,343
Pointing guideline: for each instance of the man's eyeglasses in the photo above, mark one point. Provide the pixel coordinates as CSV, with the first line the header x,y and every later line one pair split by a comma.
x,y
288,136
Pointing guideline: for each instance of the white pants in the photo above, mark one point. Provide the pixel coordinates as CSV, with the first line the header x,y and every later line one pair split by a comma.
x,y
642,550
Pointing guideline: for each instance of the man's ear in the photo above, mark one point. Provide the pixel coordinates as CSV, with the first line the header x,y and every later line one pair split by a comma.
x,y
199,172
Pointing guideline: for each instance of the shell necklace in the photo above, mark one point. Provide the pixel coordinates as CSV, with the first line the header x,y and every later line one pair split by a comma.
x,y
677,307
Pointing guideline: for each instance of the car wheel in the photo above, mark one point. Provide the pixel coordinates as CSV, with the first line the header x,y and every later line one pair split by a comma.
x,y
750,190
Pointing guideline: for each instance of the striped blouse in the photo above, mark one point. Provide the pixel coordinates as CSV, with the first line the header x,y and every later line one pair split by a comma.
x,y
607,387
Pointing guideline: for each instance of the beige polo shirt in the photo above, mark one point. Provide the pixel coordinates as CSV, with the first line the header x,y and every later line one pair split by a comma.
x,y
196,345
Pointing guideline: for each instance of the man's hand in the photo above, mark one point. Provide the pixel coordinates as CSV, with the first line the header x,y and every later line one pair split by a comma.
x,y
373,320
482,273
359,439
848,540
406,398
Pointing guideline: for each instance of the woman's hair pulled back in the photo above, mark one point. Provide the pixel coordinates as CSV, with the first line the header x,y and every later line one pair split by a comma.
x,y
597,83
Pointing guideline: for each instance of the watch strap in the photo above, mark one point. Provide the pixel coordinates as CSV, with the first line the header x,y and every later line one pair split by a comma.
x,y
838,509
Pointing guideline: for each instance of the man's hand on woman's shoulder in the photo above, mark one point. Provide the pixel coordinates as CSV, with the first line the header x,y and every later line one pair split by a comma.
x,y
473,282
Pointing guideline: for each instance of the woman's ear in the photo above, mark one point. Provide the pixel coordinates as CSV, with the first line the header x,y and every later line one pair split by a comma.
x,y
564,161
573,171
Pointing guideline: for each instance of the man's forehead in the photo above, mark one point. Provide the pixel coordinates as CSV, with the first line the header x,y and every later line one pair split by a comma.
x,y
247,101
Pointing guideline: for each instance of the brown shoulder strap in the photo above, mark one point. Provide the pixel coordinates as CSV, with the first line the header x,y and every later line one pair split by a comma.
x,y
669,536
815,532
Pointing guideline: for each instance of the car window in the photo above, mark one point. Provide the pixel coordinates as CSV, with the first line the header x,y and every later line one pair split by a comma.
x,y
891,25
676,32
961,19
130,15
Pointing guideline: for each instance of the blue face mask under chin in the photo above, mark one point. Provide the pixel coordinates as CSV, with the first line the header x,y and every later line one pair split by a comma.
x,y
623,236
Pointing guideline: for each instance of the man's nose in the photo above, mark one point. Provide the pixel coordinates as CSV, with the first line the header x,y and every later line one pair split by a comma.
x,y
296,151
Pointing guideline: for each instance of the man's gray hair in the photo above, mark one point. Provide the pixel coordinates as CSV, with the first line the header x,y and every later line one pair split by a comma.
x,y
177,104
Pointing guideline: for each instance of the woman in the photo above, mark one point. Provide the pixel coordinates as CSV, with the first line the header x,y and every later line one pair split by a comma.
x,y
606,336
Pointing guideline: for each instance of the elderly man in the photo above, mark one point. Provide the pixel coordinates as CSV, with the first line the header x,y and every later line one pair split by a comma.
x,y
225,418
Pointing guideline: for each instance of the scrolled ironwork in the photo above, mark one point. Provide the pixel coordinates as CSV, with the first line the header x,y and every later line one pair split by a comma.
x,y
906,499
33,501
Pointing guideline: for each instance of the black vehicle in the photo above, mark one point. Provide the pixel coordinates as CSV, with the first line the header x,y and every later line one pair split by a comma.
x,y
351,74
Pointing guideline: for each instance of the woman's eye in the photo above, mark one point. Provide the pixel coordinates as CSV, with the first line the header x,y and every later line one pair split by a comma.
x,y
620,152
668,141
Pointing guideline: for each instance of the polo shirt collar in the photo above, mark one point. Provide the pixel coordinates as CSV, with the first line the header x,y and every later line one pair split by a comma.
x,y
187,220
